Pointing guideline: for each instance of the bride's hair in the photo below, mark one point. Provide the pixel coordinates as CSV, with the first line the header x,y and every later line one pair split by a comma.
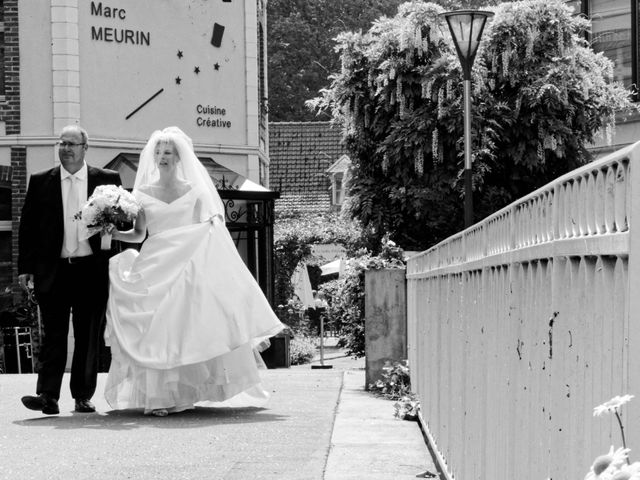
x,y
189,169
169,135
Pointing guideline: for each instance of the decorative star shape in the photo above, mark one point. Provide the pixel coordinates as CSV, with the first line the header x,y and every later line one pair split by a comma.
x,y
196,70
217,66
178,80
179,53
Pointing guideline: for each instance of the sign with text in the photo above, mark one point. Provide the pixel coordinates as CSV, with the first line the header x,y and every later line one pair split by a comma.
x,y
328,252
146,64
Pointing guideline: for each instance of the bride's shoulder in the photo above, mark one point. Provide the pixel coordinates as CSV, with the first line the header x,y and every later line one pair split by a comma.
x,y
198,190
185,186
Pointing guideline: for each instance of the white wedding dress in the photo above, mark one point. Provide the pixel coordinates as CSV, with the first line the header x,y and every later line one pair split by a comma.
x,y
184,316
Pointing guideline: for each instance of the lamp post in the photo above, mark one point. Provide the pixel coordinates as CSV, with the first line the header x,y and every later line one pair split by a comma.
x,y
466,28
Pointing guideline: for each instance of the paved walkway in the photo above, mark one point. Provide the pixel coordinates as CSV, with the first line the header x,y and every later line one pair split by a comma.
x,y
318,425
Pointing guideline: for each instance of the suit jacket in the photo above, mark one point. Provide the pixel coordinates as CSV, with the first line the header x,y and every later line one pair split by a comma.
x,y
41,231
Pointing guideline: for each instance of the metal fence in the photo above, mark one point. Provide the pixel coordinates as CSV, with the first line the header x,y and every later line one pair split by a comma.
x,y
521,324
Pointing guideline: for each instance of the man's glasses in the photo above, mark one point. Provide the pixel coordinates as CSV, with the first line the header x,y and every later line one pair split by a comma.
x,y
68,144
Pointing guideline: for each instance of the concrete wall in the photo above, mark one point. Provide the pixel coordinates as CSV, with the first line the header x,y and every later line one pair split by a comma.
x,y
523,323
385,320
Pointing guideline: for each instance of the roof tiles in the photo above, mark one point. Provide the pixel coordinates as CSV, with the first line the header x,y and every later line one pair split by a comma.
x,y
300,153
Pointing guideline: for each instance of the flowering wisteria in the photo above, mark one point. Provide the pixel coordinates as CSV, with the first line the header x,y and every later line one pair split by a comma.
x,y
539,96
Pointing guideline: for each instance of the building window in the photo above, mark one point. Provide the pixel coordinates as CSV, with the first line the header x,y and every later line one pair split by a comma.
x,y
612,33
5,243
337,187
6,270
339,175
262,92
5,223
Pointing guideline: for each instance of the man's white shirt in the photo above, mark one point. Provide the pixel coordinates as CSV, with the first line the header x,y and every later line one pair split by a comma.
x,y
81,179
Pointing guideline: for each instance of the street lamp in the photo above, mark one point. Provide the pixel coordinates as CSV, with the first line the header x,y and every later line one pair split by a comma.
x,y
466,28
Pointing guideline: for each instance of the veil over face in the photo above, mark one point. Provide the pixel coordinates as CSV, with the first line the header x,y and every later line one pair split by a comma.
x,y
189,168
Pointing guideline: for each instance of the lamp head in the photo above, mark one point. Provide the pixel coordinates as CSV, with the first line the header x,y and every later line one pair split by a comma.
x,y
466,27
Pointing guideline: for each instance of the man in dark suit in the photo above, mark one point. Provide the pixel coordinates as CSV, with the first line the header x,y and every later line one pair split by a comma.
x,y
69,274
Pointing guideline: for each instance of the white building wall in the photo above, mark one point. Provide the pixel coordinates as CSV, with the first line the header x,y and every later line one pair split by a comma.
x,y
125,68
36,102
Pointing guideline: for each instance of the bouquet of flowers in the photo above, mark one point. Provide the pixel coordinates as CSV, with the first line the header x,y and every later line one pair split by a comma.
x,y
108,206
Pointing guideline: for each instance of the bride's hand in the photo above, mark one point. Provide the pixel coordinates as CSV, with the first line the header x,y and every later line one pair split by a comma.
x,y
113,231
215,220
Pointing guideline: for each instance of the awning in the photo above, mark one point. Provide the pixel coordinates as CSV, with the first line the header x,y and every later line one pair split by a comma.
x,y
302,285
337,266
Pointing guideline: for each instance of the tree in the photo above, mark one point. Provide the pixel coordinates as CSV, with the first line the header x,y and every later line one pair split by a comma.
x,y
540,94
301,52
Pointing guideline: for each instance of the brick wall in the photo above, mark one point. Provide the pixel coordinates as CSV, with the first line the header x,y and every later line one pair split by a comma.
x,y
18,192
10,108
10,114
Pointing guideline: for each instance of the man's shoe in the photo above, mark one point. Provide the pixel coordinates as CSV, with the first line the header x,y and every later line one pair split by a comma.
x,y
42,403
85,406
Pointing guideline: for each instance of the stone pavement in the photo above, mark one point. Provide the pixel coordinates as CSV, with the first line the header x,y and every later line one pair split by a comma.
x,y
319,424
367,440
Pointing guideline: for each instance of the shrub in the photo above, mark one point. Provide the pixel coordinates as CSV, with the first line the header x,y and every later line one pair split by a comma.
x,y
395,382
346,294
302,349
291,314
347,307
407,408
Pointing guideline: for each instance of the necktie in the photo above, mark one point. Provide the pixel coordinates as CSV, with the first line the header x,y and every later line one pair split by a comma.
x,y
71,225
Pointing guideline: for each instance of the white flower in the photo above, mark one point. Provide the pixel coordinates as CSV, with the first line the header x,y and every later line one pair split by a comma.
x,y
612,405
605,466
628,472
107,206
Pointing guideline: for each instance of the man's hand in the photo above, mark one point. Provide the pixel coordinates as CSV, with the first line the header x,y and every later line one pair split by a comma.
x,y
25,281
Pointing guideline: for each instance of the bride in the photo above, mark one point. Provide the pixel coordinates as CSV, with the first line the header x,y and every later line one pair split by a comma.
x,y
185,315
